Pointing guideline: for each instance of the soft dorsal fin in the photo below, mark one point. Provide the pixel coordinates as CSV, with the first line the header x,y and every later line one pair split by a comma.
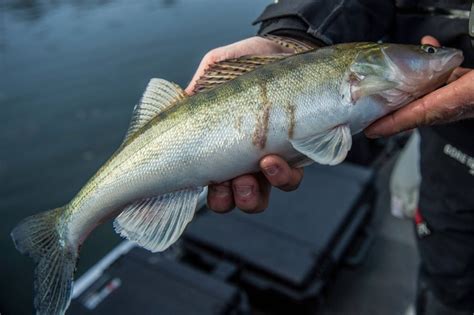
x,y
297,45
229,69
158,96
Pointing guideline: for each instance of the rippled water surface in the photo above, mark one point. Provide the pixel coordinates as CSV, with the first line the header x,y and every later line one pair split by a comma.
x,y
70,73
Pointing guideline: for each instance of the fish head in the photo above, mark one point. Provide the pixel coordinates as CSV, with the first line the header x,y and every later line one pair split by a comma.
x,y
399,74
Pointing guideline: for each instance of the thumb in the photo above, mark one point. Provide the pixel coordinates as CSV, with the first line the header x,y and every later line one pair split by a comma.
x,y
209,59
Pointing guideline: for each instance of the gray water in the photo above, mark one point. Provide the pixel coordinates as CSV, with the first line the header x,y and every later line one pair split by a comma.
x,y
70,73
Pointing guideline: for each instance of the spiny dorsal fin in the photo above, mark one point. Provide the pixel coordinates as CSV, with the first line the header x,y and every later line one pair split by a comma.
x,y
297,45
158,96
229,69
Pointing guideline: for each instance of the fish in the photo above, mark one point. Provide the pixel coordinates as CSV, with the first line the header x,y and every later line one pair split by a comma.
x,y
305,107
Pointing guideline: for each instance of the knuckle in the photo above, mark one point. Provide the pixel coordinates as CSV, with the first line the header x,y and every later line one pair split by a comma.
x,y
212,56
280,181
423,117
290,187
249,205
294,181
470,76
394,123
243,181
219,205
252,209
220,208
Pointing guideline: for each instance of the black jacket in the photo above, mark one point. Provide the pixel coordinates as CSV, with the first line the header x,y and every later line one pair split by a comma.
x,y
329,21
447,151
403,21
337,21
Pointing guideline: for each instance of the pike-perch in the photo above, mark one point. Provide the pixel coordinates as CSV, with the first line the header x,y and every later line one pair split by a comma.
x,y
303,107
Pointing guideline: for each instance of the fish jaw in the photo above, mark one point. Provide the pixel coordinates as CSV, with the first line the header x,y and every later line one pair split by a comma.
x,y
396,75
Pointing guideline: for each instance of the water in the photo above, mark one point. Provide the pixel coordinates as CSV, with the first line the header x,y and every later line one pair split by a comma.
x,y
70,73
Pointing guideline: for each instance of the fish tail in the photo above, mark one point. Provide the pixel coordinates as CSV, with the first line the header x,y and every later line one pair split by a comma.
x,y
39,237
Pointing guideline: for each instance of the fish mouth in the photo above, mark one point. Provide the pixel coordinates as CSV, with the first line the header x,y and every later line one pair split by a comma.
x,y
451,59
414,84
444,67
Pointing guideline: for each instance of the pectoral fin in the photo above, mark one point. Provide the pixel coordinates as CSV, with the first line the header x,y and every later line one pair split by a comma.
x,y
156,223
370,85
329,147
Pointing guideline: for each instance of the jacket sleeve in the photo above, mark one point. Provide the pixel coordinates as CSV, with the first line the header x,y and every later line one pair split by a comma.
x,y
328,21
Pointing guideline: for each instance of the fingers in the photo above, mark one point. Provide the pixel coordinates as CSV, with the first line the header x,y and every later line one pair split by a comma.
x,y
430,40
251,193
250,46
210,58
280,174
220,197
452,102
457,73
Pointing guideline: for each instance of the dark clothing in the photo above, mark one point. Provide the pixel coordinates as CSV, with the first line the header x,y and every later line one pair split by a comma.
x,y
447,151
338,21
330,21
447,206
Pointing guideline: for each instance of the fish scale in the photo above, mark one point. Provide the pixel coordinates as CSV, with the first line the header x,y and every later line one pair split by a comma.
x,y
303,107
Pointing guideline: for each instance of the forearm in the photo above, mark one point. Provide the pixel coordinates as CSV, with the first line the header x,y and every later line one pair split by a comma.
x,y
328,21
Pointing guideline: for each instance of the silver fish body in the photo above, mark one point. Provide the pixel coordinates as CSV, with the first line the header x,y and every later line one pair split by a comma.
x,y
303,107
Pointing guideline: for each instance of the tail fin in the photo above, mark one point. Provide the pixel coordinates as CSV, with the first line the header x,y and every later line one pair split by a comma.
x,y
55,259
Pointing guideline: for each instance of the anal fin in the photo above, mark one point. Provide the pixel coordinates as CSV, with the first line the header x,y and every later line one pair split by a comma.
x,y
156,223
329,147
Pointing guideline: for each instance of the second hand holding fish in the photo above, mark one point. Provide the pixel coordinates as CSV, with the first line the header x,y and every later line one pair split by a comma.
x,y
250,192
450,103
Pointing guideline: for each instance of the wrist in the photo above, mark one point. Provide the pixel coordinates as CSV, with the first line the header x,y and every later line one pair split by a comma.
x,y
289,26
300,36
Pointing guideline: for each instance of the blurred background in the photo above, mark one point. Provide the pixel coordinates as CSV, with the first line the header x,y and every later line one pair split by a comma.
x,y
71,72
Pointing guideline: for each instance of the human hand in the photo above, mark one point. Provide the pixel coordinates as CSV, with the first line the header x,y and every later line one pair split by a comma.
x,y
452,102
250,46
249,192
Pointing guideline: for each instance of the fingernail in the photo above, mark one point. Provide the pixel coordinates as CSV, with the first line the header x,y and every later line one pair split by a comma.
x,y
244,191
271,170
221,191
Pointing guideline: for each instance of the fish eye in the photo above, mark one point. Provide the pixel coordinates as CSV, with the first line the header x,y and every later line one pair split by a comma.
x,y
429,49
